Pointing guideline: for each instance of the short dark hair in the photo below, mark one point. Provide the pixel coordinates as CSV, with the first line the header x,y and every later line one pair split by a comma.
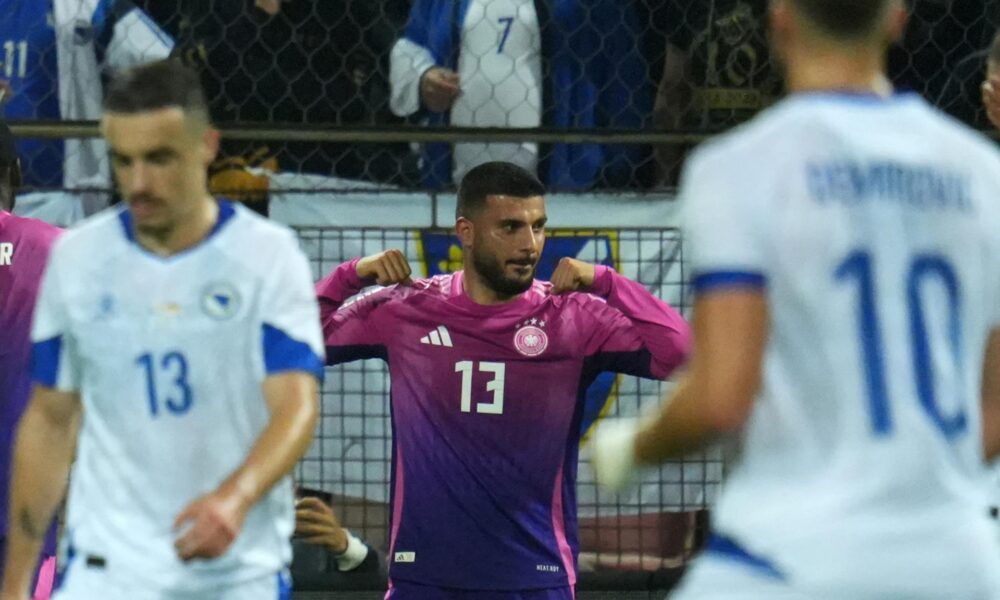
x,y
160,84
845,19
495,179
10,173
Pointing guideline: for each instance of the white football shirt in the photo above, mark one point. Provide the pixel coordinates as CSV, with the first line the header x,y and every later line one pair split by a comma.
x,y
169,355
500,70
873,228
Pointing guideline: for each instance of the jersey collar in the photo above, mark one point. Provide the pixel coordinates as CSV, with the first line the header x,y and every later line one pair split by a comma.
x,y
226,213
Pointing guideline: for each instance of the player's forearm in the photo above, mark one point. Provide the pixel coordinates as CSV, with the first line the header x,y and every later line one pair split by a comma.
x,y
294,401
663,331
991,429
990,396
682,426
42,456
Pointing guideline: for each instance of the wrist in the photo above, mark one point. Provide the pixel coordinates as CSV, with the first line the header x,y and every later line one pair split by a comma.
x,y
353,555
338,543
239,490
602,283
357,279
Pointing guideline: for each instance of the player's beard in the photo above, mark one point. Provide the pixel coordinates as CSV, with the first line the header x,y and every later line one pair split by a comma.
x,y
491,271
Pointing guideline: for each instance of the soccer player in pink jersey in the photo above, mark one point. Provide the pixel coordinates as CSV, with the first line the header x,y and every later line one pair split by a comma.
x,y
489,368
24,250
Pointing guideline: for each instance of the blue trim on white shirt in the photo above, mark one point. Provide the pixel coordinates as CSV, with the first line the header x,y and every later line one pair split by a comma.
x,y
284,585
715,280
45,356
226,212
282,353
726,547
154,28
62,568
99,18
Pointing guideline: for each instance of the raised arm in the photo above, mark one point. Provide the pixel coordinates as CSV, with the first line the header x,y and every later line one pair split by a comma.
x,y
42,456
353,332
642,336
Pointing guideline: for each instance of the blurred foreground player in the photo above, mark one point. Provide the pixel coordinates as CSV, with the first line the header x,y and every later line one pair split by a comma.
x,y
24,250
184,331
846,265
991,102
488,368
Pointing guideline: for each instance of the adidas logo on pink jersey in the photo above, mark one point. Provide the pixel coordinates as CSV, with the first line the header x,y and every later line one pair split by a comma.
x,y
438,337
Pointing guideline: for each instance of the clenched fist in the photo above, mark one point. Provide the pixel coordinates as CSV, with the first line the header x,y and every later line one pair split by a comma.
x,y
572,275
386,268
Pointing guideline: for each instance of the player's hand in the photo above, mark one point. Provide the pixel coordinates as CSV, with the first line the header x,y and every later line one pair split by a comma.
x,y
315,523
438,89
6,91
991,99
271,7
571,275
209,525
612,453
386,268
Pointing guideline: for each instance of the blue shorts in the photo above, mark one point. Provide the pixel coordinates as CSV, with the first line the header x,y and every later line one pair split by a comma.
x,y
406,590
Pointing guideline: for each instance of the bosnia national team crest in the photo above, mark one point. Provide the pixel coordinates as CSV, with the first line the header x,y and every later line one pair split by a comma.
x,y
220,300
531,339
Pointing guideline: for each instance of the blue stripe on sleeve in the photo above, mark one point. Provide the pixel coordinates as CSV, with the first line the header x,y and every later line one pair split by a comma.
x,y
284,585
45,357
715,280
282,353
100,15
155,29
727,547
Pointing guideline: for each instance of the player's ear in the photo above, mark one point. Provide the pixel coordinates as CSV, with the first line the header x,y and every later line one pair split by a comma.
x,y
782,22
210,139
465,232
896,21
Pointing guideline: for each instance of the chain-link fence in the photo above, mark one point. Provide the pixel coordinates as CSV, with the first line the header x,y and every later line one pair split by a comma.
x,y
326,99
658,525
603,94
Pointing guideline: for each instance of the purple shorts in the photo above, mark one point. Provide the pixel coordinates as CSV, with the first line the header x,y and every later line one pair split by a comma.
x,y
406,590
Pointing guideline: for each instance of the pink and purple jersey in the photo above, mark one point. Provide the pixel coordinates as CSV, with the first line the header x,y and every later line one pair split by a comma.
x,y
24,251
486,409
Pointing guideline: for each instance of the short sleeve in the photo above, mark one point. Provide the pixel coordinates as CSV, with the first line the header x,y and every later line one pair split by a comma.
x,y
723,220
54,363
290,326
135,40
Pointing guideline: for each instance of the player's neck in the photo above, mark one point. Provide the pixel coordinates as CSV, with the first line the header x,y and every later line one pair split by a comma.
x,y
827,69
185,234
479,292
